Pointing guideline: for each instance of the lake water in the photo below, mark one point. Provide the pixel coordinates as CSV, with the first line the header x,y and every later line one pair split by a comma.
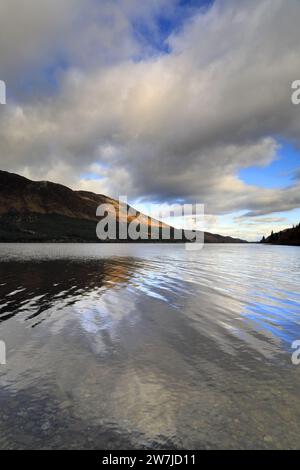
x,y
138,346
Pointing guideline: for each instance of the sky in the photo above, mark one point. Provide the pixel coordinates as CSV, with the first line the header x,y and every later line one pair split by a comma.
x,y
162,101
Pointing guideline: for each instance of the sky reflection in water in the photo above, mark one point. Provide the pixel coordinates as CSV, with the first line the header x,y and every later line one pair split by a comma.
x,y
113,346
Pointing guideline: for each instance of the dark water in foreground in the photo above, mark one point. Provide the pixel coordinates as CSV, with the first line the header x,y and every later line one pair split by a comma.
x,y
149,347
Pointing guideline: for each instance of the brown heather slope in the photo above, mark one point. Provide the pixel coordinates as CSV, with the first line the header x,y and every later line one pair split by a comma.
x,y
21,195
41,211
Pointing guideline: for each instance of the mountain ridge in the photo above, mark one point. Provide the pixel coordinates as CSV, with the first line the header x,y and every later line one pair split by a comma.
x,y
43,211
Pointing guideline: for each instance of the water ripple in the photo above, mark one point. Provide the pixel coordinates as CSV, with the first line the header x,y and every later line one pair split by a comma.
x,y
149,346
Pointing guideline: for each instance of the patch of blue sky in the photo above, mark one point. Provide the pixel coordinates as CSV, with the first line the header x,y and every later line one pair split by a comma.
x,y
41,82
96,171
280,173
154,35
90,176
52,72
293,217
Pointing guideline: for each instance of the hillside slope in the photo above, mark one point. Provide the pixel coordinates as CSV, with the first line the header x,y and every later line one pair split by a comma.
x,y
290,236
41,211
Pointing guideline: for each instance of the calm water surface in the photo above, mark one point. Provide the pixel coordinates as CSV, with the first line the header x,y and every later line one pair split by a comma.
x,y
114,347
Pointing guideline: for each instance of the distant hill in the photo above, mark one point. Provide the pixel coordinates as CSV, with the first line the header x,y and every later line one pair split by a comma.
x,y
290,236
41,211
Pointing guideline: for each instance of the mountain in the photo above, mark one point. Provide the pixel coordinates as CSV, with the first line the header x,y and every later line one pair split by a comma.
x,y
41,211
290,236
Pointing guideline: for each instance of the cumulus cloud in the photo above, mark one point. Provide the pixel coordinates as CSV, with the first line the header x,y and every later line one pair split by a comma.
x,y
254,229
176,126
30,32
